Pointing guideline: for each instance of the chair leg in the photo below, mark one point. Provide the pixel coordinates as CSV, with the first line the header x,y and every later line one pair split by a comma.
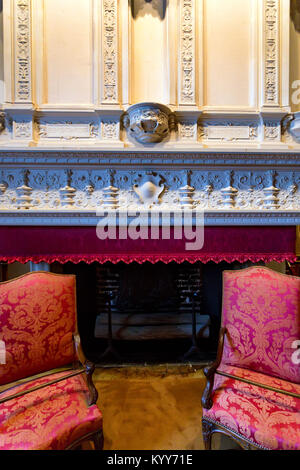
x,y
207,431
98,440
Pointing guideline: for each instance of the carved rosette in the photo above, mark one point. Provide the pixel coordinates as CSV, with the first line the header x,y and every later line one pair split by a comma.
x,y
148,122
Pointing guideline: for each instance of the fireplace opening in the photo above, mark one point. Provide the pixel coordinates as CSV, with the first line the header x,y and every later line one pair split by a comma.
x,y
148,313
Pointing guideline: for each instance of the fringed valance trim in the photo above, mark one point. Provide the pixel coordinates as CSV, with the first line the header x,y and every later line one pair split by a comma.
x,y
205,258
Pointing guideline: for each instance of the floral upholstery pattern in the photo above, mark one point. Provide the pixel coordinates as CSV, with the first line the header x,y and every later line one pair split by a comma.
x,y
37,321
261,311
50,418
264,417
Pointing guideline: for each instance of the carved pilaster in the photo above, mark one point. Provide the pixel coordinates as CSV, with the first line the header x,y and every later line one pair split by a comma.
x,y
187,92
109,52
271,52
22,50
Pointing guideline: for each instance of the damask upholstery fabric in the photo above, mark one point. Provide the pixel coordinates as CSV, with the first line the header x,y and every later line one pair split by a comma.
x,y
261,311
264,417
51,418
37,321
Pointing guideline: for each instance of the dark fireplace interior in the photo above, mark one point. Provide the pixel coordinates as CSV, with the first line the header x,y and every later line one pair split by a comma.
x,y
148,313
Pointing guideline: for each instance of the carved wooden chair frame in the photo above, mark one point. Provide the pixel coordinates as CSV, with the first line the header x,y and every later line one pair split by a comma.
x,y
82,366
210,427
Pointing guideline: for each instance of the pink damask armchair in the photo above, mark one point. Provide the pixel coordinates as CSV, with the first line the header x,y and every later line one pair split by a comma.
x,y
253,387
47,397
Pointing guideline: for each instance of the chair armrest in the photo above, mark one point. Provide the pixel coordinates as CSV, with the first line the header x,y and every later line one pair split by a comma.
x,y
210,371
89,370
39,387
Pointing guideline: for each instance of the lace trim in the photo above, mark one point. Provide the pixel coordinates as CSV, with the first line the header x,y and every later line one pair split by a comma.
x,y
205,258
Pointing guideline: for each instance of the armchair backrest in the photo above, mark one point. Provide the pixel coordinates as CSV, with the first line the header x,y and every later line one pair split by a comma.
x,y
37,322
261,312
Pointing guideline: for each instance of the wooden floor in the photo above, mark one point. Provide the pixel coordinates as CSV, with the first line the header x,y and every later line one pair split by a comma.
x,y
151,408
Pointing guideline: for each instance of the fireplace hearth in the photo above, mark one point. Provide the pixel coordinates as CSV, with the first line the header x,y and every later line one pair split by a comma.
x,y
150,302
149,313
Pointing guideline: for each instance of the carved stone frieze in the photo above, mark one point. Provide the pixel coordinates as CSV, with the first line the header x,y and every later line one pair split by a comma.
x,y
147,123
82,189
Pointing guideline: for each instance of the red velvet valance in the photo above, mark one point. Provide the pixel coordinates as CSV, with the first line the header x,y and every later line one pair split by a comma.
x,y
77,244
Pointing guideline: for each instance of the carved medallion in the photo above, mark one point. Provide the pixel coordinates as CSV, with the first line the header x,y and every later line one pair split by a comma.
x,y
148,122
